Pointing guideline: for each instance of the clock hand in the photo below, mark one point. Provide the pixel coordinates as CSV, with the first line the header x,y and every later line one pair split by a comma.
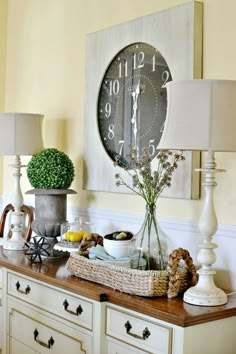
x,y
135,95
135,106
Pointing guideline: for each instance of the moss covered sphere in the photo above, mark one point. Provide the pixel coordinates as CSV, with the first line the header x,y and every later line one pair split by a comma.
x,y
50,169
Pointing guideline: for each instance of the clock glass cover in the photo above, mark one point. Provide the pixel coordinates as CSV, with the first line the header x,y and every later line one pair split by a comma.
x,y
132,101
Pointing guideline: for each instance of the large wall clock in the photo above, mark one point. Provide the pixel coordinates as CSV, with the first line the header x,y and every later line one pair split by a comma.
x,y
132,101
127,67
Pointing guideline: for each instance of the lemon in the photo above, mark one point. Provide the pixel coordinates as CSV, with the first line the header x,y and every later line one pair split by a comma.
x,y
75,236
67,235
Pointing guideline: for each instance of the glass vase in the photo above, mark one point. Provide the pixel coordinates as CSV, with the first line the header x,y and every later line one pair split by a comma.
x,y
150,247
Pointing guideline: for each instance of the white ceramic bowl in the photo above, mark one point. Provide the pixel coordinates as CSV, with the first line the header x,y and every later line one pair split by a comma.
x,y
117,248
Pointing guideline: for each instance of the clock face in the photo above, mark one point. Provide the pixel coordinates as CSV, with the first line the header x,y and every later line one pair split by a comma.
x,y
132,101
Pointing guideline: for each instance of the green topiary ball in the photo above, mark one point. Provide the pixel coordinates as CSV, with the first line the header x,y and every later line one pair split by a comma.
x,y
50,169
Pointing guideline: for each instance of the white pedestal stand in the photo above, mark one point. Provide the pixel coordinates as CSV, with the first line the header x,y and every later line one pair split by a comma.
x,y
205,293
15,240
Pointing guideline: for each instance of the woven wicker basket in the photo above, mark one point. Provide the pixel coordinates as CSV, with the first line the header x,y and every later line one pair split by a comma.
x,y
138,282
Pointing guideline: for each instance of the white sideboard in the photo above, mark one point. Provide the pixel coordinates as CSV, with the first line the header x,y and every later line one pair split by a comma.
x,y
45,309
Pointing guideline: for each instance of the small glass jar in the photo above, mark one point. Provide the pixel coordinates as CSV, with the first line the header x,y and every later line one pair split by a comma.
x,y
72,232
68,227
84,225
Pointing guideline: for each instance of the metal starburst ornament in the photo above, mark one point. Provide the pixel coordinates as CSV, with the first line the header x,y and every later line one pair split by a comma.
x,y
37,249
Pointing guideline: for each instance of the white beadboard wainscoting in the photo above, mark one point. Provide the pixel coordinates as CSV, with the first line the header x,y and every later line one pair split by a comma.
x,y
182,233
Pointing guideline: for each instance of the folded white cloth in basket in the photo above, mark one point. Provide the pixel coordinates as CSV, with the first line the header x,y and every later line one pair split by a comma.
x,y
98,252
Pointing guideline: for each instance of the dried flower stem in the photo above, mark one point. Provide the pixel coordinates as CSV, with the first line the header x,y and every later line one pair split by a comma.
x,y
149,185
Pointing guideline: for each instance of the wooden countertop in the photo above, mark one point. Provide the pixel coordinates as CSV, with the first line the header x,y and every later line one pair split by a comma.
x,y
174,311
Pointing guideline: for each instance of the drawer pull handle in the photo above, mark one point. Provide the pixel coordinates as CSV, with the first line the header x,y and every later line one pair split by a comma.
x,y
46,345
26,291
146,333
78,311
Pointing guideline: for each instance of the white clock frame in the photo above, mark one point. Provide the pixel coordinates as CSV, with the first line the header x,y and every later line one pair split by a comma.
x,y
177,35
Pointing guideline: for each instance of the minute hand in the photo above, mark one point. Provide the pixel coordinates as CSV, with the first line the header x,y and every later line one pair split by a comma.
x,y
135,95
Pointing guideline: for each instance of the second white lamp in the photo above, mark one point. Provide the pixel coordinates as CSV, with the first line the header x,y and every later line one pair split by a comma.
x,y
20,134
201,115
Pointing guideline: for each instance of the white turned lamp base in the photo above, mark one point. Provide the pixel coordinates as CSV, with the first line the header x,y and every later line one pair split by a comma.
x,y
205,293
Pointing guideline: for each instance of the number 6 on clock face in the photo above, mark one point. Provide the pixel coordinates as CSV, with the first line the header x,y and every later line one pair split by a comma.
x,y
132,101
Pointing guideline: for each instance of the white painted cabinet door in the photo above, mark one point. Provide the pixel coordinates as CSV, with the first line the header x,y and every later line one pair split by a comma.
x,y
16,347
43,334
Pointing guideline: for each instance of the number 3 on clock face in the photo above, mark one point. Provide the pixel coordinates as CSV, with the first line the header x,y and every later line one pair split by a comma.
x,y
132,101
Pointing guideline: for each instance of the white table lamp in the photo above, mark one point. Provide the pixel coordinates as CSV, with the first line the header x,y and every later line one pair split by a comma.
x,y
20,134
201,115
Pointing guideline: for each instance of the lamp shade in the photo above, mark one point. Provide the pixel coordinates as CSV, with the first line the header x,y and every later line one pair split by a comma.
x,y
20,133
201,115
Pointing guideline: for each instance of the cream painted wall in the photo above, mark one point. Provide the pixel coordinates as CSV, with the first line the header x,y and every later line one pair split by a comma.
x,y
45,73
3,24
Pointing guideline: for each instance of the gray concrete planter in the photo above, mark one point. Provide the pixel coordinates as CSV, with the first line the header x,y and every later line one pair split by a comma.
x,y
50,210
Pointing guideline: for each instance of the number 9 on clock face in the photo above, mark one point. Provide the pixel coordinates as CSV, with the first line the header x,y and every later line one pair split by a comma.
x,y
132,101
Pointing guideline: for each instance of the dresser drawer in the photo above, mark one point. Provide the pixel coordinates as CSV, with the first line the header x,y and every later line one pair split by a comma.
x,y
48,298
143,334
114,347
42,334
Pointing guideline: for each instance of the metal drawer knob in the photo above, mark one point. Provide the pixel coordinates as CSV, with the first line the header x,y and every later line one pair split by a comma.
x,y
146,333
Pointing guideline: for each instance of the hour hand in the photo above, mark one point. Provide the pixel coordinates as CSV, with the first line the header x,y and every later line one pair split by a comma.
x,y
138,89
135,95
135,106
